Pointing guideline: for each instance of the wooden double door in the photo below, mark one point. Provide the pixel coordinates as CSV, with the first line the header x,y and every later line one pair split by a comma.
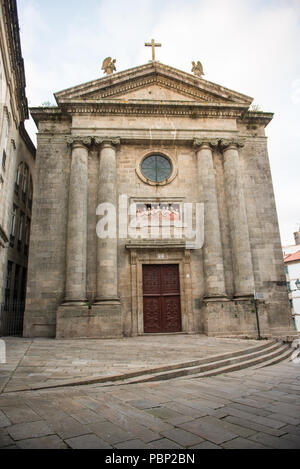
x,y
161,298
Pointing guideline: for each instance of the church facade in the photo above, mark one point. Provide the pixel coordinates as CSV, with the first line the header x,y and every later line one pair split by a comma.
x,y
153,212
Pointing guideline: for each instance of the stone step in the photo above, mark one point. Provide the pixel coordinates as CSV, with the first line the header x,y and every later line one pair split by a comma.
x,y
212,367
282,357
274,357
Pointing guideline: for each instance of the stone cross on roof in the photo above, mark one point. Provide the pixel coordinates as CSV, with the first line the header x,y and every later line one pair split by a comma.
x,y
153,45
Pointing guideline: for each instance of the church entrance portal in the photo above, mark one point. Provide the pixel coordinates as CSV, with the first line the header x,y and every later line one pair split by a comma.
x,y
161,298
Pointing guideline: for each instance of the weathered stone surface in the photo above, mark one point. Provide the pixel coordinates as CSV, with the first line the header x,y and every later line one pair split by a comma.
x,y
241,251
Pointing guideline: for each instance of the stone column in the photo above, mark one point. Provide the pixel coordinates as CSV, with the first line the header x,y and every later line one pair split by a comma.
x,y
240,243
107,255
77,223
212,248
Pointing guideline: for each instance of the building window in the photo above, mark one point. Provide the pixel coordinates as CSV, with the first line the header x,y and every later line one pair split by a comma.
x,y
4,151
23,284
27,236
156,168
16,284
17,181
8,281
20,237
30,194
13,227
288,287
286,269
24,182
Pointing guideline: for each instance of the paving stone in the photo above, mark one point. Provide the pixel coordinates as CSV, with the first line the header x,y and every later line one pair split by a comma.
x,y
242,443
143,404
89,441
285,409
182,437
213,432
141,417
164,443
87,416
206,445
230,427
285,418
47,442
110,433
187,411
268,422
274,441
163,413
129,424
295,430
293,438
89,403
4,421
252,402
132,444
67,427
254,426
22,431
19,414
250,410
5,439
204,402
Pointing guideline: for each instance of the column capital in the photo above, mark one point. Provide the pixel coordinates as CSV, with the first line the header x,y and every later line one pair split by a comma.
x,y
199,143
226,143
79,141
107,141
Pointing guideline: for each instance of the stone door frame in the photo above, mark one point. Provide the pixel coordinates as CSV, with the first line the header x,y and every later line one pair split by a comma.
x,y
163,255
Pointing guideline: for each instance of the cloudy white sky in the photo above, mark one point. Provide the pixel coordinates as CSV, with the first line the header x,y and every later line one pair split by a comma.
x,y
251,46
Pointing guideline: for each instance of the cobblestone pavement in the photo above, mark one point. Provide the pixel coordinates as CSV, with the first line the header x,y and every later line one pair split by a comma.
x,y
245,409
48,362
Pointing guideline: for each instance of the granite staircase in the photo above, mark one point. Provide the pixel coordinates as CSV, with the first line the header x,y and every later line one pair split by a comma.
x,y
265,354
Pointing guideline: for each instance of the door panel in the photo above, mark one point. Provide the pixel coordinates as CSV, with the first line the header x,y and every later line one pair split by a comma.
x,y
161,298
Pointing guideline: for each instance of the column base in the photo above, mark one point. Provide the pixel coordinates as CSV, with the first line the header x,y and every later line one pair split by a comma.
x,y
75,302
234,318
243,296
100,321
215,298
113,300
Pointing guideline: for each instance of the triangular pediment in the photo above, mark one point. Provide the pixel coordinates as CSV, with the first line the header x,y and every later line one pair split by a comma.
x,y
152,82
156,92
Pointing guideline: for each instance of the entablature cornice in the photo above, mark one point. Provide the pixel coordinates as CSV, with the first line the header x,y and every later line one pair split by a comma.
x,y
160,108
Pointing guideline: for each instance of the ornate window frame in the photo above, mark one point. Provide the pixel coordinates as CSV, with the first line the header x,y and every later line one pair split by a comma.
x,y
163,153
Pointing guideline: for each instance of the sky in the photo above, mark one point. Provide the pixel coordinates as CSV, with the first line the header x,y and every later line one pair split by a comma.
x,y
250,46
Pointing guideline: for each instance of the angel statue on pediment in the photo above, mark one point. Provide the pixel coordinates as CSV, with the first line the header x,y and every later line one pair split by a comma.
x,y
109,65
197,69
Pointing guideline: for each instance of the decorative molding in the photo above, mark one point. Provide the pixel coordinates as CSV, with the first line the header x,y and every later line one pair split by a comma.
x,y
113,141
138,108
154,72
136,84
211,142
16,74
226,143
83,141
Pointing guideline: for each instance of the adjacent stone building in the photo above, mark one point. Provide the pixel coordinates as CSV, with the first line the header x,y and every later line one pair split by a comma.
x,y
168,149
17,158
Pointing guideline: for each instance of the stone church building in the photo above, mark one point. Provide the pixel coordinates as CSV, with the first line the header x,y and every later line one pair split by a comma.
x,y
151,155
